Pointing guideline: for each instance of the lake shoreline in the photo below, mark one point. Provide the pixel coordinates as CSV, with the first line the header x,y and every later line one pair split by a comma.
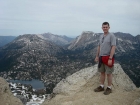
x,y
35,83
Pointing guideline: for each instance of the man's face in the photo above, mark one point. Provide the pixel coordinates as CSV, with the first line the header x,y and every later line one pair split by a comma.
x,y
105,28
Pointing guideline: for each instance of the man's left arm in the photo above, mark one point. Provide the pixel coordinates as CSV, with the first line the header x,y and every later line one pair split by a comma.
x,y
112,52
113,47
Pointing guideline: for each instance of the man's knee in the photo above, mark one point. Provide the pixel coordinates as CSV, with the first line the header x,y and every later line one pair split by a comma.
x,y
102,73
109,75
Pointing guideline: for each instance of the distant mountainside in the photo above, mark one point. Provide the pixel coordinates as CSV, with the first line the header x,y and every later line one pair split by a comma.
x,y
42,57
26,53
85,39
57,39
30,56
6,39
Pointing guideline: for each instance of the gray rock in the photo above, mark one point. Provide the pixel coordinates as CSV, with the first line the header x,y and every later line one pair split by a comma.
x,y
73,83
6,97
136,102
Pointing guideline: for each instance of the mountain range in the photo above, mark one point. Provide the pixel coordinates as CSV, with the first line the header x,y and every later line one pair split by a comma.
x,y
51,58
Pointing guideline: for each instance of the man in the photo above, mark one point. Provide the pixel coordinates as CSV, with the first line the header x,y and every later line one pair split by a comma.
x,y
106,48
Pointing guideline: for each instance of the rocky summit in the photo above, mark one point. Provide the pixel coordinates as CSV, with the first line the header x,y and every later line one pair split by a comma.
x,y
77,89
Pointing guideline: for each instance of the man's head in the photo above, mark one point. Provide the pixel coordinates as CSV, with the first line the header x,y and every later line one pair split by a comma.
x,y
105,27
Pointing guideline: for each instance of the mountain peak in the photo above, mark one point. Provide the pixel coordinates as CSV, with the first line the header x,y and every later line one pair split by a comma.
x,y
29,49
88,32
85,38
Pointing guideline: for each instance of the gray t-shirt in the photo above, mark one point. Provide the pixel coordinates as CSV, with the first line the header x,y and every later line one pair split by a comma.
x,y
105,43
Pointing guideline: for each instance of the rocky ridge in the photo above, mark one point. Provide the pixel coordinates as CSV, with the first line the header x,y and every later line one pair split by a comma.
x,y
77,89
125,41
6,97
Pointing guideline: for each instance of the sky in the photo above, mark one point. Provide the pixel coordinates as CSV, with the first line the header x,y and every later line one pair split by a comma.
x,y
68,17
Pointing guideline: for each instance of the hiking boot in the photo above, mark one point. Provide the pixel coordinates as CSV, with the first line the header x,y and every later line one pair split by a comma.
x,y
107,91
99,89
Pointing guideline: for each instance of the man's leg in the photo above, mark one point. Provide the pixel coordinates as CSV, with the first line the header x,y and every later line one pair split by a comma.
x,y
109,79
109,72
102,78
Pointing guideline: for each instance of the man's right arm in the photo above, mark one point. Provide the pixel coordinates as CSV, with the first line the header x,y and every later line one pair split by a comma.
x,y
97,54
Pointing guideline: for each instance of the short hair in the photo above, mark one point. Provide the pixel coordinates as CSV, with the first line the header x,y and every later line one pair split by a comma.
x,y
105,23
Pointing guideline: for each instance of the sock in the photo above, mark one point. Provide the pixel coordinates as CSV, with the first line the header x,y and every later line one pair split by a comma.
x,y
102,85
109,87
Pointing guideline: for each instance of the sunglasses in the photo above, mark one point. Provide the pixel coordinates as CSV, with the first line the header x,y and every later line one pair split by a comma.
x,y
102,39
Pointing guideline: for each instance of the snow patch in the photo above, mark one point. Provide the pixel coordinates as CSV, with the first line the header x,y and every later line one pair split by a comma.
x,y
120,39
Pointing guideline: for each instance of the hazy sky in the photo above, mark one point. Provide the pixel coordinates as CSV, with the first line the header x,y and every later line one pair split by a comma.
x,y
68,17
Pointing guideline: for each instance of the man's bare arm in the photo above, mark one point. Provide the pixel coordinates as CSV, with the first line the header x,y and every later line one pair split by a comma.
x,y
112,51
98,51
97,54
